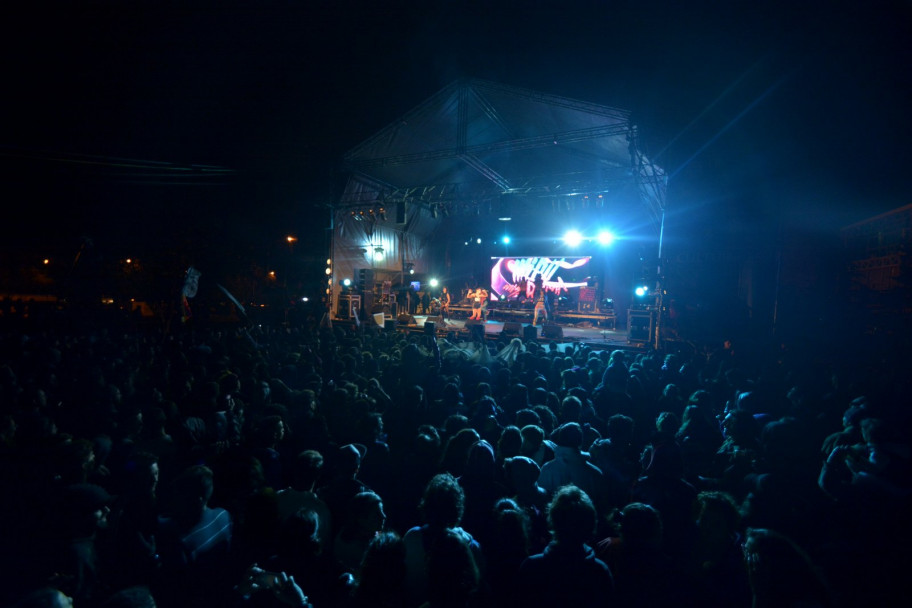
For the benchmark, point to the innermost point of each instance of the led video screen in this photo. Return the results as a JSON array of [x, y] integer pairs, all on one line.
[[513, 279]]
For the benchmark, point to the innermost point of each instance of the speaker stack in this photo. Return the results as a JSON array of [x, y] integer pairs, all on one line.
[[552, 331], [476, 329], [512, 329]]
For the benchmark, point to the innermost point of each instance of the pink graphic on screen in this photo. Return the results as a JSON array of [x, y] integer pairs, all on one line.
[[514, 278]]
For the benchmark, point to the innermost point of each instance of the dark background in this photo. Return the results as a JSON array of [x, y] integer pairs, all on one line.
[[768, 116]]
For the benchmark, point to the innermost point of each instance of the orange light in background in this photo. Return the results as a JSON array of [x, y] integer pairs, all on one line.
[[129, 260], [272, 274], [291, 239], [46, 261]]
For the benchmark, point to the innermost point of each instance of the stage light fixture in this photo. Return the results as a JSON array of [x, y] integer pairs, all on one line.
[[434, 282], [478, 240], [641, 291], [346, 282], [573, 238], [605, 238], [506, 240]]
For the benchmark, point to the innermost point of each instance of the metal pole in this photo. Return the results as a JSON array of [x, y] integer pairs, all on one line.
[[332, 257], [660, 286]]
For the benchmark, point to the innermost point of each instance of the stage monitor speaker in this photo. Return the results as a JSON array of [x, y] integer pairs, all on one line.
[[430, 328], [530, 332], [552, 331], [477, 331], [512, 328], [389, 325], [405, 319]]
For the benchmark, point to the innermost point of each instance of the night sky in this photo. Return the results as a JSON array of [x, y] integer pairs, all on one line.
[[762, 112]]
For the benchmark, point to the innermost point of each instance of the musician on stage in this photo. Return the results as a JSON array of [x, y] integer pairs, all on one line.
[[445, 303], [539, 299]]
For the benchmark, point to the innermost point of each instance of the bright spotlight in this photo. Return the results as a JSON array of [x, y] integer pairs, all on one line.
[[378, 255], [434, 282], [641, 291], [411, 271], [305, 299], [605, 238], [506, 240], [346, 282], [478, 240], [573, 238]]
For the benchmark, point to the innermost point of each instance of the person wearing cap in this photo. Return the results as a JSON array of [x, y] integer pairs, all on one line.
[[571, 465]]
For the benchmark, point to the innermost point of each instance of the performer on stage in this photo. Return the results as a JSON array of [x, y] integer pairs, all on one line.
[[476, 297], [445, 303], [539, 299]]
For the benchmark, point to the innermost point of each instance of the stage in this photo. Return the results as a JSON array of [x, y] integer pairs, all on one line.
[[585, 332]]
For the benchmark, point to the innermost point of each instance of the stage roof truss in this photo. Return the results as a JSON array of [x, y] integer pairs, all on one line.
[[474, 142]]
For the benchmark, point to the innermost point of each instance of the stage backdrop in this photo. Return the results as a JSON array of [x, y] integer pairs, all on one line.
[[514, 278]]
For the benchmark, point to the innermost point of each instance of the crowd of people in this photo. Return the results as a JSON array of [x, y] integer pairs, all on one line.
[[354, 466]]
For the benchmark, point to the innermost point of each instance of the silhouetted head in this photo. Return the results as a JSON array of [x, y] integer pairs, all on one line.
[[571, 516]]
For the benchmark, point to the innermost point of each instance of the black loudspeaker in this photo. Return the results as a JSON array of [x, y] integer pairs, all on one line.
[[430, 328], [477, 331], [530, 332], [512, 328], [552, 331], [406, 319], [639, 326], [389, 325]]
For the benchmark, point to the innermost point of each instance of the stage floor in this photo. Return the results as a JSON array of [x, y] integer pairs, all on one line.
[[587, 333]]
